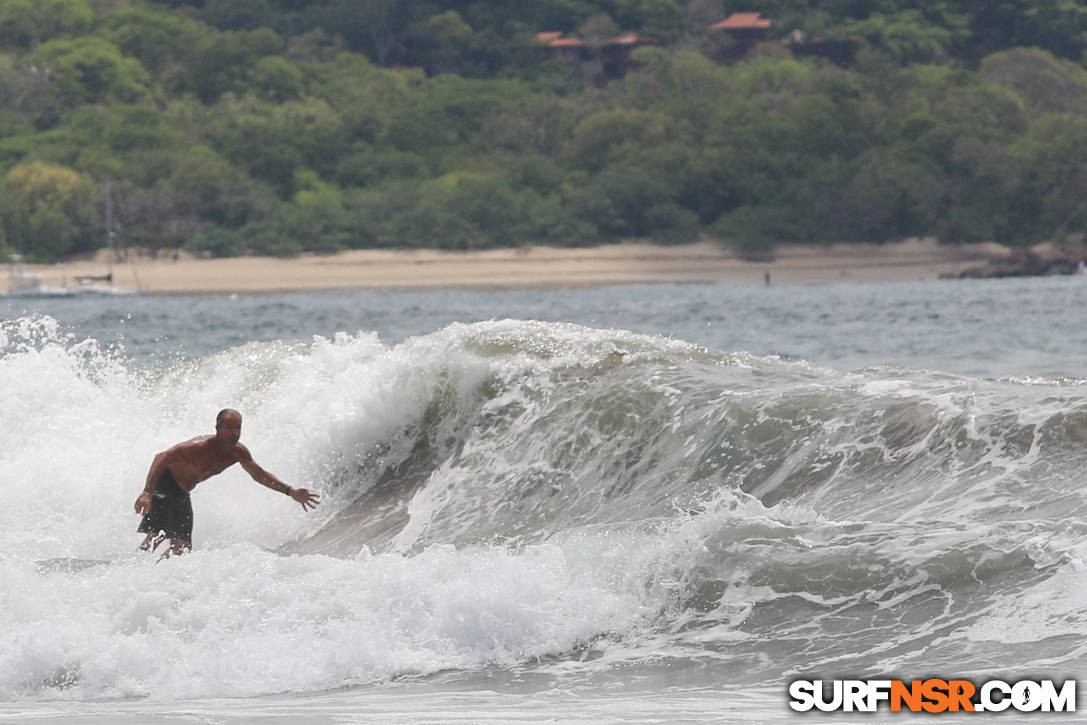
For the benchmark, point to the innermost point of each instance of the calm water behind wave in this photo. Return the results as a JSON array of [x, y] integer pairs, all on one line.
[[1028, 326]]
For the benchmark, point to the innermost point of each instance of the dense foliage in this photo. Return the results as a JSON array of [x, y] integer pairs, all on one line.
[[281, 126]]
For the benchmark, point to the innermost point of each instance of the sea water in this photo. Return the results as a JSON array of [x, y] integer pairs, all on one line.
[[633, 504]]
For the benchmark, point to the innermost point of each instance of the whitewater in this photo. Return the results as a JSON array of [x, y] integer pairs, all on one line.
[[649, 503]]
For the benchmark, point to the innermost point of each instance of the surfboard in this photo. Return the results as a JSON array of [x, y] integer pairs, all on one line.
[[68, 564]]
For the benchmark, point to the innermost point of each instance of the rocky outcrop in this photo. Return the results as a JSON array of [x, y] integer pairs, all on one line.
[[1037, 261]]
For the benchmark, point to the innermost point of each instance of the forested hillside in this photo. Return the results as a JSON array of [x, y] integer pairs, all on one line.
[[282, 126]]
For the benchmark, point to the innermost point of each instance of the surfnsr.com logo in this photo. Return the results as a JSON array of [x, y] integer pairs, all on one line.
[[932, 696]]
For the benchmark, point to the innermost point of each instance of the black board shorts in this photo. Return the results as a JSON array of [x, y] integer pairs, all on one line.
[[171, 510]]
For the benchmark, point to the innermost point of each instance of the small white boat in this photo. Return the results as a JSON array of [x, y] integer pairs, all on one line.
[[98, 286], [28, 284]]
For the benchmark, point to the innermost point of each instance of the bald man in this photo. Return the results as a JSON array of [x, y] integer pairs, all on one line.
[[165, 503]]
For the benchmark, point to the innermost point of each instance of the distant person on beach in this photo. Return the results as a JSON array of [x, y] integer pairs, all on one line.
[[165, 503]]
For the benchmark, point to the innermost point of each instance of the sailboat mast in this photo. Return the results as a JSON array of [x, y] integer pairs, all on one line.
[[110, 233]]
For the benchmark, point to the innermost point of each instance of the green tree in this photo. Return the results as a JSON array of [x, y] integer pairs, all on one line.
[[447, 114], [754, 231], [378, 27], [1050, 84], [685, 84], [243, 14], [365, 97], [533, 124], [495, 213], [619, 201], [120, 128], [1054, 151], [25, 93], [204, 191], [611, 135], [443, 39], [50, 210], [162, 41], [315, 220], [985, 194], [28, 23], [89, 69], [1058, 26], [365, 165], [659, 19], [276, 79], [274, 141], [908, 37], [221, 62], [890, 196]]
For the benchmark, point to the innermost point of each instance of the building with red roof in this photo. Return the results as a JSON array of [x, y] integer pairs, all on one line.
[[743, 22], [598, 61], [740, 33]]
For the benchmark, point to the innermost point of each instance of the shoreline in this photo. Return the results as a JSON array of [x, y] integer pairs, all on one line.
[[524, 268]]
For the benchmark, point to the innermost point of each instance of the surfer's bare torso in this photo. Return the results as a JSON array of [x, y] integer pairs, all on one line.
[[205, 456]]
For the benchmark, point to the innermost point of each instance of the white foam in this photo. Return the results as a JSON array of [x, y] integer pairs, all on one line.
[[239, 621]]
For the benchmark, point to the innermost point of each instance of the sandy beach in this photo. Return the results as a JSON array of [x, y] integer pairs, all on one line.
[[524, 268]]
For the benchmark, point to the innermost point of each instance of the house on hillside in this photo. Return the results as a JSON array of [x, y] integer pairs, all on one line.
[[603, 60], [740, 32], [599, 61], [747, 27]]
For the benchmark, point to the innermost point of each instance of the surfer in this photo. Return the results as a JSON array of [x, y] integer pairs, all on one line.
[[165, 503]]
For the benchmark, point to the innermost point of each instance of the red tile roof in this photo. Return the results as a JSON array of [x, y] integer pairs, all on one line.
[[555, 40], [626, 39], [742, 21]]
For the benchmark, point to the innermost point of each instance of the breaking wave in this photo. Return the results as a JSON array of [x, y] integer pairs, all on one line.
[[536, 496]]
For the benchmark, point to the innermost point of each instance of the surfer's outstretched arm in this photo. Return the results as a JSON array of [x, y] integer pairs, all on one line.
[[303, 496]]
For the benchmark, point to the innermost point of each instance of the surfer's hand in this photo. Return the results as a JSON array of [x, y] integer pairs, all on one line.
[[143, 503], [305, 498]]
